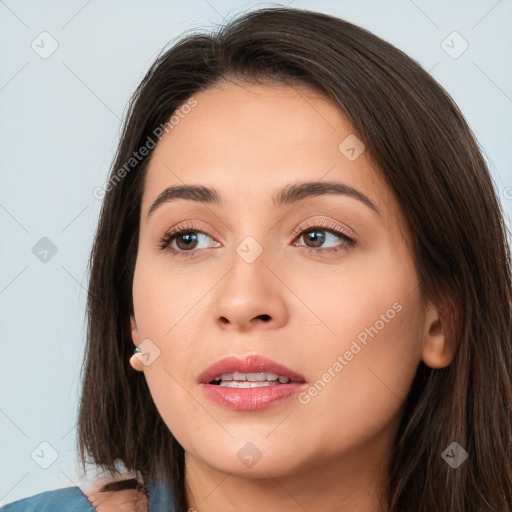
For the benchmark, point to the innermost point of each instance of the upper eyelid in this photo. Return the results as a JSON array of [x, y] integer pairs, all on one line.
[[326, 225]]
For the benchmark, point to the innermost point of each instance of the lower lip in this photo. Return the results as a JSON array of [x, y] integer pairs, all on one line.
[[251, 399]]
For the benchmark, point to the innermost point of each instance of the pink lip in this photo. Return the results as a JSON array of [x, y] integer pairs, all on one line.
[[247, 399], [248, 364]]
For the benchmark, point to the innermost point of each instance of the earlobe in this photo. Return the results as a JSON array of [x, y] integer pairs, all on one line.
[[438, 346], [135, 362]]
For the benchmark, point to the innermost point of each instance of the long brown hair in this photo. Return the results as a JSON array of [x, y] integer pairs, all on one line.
[[429, 158]]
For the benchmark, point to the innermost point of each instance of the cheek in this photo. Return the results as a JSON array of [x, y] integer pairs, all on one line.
[[363, 372], [365, 355], [163, 299], [166, 308]]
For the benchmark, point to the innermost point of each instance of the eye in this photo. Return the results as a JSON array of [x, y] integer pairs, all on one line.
[[184, 240], [320, 237], [316, 236]]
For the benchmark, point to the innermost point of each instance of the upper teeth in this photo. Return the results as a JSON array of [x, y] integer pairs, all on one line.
[[252, 377]]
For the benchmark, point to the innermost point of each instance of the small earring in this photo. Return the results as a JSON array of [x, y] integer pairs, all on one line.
[[135, 362]]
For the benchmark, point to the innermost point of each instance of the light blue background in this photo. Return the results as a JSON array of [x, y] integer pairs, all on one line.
[[60, 123]]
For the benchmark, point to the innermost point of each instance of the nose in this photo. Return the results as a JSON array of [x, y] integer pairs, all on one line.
[[251, 296]]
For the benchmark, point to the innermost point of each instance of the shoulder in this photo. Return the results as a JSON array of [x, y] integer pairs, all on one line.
[[73, 499], [70, 499]]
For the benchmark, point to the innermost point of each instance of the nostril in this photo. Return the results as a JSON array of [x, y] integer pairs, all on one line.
[[266, 318]]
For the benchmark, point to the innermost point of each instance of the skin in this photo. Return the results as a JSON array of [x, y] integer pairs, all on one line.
[[246, 141], [114, 501], [128, 500]]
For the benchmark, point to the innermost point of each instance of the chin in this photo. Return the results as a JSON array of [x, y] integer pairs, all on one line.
[[266, 467], [248, 456]]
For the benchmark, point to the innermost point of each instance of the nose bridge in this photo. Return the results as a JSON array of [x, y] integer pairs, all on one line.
[[248, 280], [250, 291]]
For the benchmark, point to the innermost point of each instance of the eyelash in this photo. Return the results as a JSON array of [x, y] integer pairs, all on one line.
[[347, 241]]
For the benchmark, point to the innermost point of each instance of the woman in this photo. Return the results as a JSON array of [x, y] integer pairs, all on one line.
[[301, 240]]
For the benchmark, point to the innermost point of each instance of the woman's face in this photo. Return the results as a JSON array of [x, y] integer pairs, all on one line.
[[268, 269]]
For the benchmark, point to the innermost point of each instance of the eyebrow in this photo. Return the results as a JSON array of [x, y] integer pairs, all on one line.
[[290, 194]]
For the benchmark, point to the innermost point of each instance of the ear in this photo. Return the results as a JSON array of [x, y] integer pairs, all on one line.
[[135, 330], [439, 344], [135, 362]]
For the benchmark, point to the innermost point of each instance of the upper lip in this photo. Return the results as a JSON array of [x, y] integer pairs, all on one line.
[[247, 364]]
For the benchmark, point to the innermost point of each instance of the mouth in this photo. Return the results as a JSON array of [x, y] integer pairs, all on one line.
[[250, 380], [248, 372], [250, 383]]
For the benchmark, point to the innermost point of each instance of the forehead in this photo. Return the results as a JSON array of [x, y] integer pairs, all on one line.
[[248, 140]]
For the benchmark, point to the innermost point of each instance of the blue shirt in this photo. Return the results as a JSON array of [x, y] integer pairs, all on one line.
[[71, 499]]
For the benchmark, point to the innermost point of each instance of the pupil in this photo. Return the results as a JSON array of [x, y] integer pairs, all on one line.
[[188, 239], [316, 236]]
